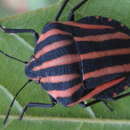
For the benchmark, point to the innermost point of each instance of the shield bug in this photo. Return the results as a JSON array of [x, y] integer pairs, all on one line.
[[79, 60]]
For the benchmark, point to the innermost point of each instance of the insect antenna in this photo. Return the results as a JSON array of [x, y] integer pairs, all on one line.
[[14, 58], [61, 10], [9, 110]]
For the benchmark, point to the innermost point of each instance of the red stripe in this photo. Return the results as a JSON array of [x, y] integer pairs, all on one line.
[[98, 90], [59, 78], [67, 59], [103, 37], [99, 54], [53, 46], [87, 26], [107, 71], [84, 26], [65, 93], [50, 33]]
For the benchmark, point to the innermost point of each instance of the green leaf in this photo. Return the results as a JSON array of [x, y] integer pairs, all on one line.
[[52, 123], [6, 97], [32, 4], [12, 75]]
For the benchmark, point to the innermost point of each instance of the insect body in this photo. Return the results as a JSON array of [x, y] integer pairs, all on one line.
[[78, 60], [75, 61]]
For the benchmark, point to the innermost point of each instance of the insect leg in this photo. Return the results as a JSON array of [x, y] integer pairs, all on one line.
[[9, 30], [14, 58], [42, 105], [61, 10], [82, 104], [11, 105], [115, 98], [108, 105], [121, 96], [71, 14]]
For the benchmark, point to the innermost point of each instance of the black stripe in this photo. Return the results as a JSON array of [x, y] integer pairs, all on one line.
[[53, 71], [82, 92], [51, 40], [76, 31], [86, 47], [100, 21], [92, 83], [108, 94], [57, 53], [61, 85], [75, 97], [60, 70], [104, 21], [99, 63]]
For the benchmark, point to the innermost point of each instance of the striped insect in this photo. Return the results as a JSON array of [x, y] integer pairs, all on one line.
[[75, 61]]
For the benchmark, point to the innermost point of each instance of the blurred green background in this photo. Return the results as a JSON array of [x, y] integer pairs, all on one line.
[[12, 7]]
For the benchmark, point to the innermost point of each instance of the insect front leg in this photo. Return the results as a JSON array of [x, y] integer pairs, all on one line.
[[71, 16], [35, 104], [9, 30]]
